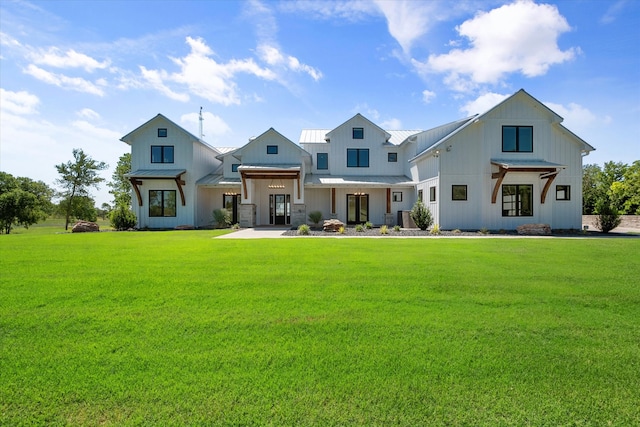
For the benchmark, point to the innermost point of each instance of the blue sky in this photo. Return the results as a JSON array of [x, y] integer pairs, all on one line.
[[81, 74]]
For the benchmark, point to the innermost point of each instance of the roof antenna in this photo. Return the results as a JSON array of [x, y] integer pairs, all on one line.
[[201, 120]]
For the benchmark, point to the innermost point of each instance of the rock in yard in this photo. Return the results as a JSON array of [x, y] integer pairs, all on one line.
[[534, 229], [332, 225], [85, 227]]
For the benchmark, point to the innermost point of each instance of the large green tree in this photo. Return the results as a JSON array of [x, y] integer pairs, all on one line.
[[626, 192], [76, 178], [23, 202], [120, 185]]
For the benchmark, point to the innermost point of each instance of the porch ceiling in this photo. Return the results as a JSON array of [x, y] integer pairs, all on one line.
[[328, 181]]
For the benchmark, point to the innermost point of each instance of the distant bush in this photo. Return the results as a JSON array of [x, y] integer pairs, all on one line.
[[421, 215], [368, 225], [222, 218], [435, 229], [315, 217], [384, 230], [607, 216], [341, 230], [396, 228], [122, 218], [359, 228], [303, 230]]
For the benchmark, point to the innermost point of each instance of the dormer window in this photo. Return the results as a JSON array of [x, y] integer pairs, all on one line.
[[234, 167], [517, 139], [162, 132], [272, 149], [358, 133]]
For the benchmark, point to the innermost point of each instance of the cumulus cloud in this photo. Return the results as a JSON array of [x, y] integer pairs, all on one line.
[[428, 96], [88, 114], [71, 83], [204, 76], [408, 20], [347, 10], [516, 38], [18, 102], [483, 103], [391, 124], [54, 57]]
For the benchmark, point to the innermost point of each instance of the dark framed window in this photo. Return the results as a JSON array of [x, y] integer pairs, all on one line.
[[357, 157], [517, 200], [162, 154], [420, 195], [518, 139], [357, 133], [234, 167], [322, 161], [563, 192], [397, 196], [162, 203], [458, 192], [272, 149], [432, 194], [162, 132], [392, 157]]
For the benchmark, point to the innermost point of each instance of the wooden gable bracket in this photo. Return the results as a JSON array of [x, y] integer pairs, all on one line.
[[500, 177], [135, 183], [549, 176], [180, 183]]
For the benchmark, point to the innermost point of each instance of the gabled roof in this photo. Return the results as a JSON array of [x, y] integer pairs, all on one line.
[[238, 153], [557, 119], [360, 116], [127, 137]]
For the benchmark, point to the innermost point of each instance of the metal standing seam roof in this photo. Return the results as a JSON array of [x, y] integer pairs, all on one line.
[[217, 180], [525, 164], [361, 181], [156, 173]]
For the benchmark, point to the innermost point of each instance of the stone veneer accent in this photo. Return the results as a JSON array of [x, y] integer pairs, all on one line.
[[247, 215], [298, 215]]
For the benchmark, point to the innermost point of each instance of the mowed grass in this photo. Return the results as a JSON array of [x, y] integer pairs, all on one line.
[[178, 328]]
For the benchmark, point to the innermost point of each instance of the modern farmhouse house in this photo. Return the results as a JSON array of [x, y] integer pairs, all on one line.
[[512, 165]]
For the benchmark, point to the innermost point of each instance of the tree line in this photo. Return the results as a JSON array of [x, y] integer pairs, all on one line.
[[24, 202], [607, 192]]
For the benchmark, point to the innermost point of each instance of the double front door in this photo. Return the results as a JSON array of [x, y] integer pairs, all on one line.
[[357, 208], [279, 209]]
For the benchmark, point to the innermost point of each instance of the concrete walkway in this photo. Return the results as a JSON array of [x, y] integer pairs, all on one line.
[[256, 233]]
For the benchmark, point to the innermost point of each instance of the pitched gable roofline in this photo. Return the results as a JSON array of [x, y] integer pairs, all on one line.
[[358, 115], [128, 137], [238, 153]]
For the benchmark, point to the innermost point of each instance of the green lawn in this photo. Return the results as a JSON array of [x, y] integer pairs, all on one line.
[[178, 328]]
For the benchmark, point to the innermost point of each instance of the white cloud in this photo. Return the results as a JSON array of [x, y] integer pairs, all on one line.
[[69, 59], [88, 113], [365, 110], [408, 20], [72, 83], [428, 96], [575, 116], [212, 125], [92, 132], [274, 57], [347, 10], [520, 37], [391, 124], [18, 102], [204, 76], [483, 103]]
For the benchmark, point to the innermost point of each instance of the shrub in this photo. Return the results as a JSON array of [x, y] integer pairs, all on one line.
[[396, 228], [484, 230], [359, 228], [303, 230], [435, 229], [607, 216], [368, 225], [341, 229], [457, 231], [122, 218], [421, 215], [236, 226], [222, 218], [315, 217], [384, 230]]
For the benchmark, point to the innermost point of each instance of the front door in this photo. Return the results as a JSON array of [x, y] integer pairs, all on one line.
[[230, 203], [357, 208], [279, 209]]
